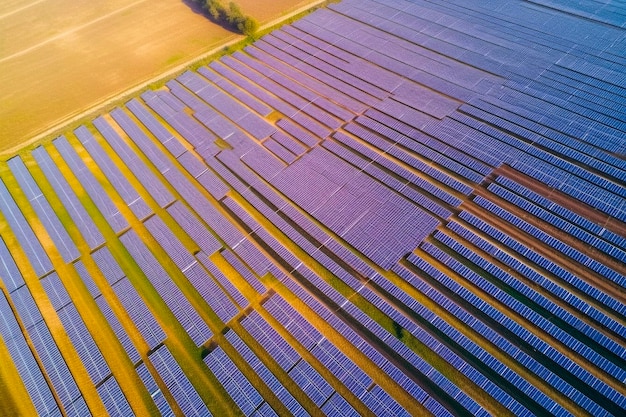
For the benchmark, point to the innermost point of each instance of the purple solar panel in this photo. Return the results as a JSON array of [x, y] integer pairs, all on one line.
[[249, 121], [215, 186], [280, 151], [215, 297], [9, 274], [239, 93], [114, 175], [154, 126], [279, 45], [45, 213], [262, 162], [192, 164], [24, 233], [178, 383], [244, 271], [150, 182], [194, 228], [89, 182], [204, 208], [313, 84], [25, 362], [185, 125], [377, 222], [237, 74], [171, 294], [303, 136], [139, 136], [169, 242]]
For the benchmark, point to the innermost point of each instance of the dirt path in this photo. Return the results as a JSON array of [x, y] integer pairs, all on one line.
[[58, 127]]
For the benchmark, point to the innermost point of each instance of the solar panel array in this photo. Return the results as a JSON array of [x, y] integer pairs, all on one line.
[[388, 207]]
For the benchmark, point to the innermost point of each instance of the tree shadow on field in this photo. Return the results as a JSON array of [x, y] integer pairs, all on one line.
[[197, 9]]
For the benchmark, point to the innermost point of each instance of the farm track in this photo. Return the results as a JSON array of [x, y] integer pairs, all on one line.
[[56, 127], [340, 213]]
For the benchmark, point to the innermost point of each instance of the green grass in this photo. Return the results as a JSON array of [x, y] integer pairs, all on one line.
[[14, 398], [92, 113], [174, 59], [44, 305], [336, 283], [484, 400]]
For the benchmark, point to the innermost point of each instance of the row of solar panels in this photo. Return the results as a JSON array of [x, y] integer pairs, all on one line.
[[439, 167]]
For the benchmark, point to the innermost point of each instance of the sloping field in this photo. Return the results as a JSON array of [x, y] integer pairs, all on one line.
[[59, 57], [386, 208]]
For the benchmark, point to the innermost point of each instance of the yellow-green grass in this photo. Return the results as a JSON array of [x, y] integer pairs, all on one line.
[[319, 269], [584, 362], [307, 356], [44, 305], [486, 344], [61, 57], [336, 283], [441, 365], [178, 341], [14, 398]]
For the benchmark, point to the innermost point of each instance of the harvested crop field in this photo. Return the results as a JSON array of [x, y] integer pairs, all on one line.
[[60, 57], [386, 207]]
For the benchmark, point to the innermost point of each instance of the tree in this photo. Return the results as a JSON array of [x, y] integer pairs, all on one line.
[[248, 26], [234, 15], [215, 9], [231, 16]]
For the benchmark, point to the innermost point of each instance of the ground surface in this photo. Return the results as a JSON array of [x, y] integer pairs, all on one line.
[[384, 208], [58, 57]]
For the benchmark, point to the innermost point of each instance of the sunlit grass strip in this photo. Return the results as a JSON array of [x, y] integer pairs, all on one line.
[[487, 345], [14, 398]]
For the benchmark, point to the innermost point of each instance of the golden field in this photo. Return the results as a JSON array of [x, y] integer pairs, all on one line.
[[61, 57]]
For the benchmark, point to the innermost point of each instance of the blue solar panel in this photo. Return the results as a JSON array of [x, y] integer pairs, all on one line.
[[178, 383], [25, 362], [139, 313], [113, 398], [155, 392], [91, 185], [238, 386], [441, 183], [113, 174], [191, 224], [148, 179], [24, 233], [9, 273], [171, 294]]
